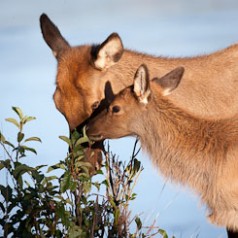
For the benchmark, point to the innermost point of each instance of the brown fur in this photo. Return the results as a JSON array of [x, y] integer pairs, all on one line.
[[188, 149], [209, 88]]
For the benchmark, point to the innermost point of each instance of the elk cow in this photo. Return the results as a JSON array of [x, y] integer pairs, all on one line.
[[202, 153]]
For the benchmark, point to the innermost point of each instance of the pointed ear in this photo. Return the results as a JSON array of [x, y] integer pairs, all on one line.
[[108, 53], [170, 81], [52, 36], [142, 85], [108, 91]]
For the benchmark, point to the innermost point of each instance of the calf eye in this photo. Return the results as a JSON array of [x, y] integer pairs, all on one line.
[[116, 109]]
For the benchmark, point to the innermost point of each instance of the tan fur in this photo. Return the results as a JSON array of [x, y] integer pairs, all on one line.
[[205, 143], [188, 149], [209, 88]]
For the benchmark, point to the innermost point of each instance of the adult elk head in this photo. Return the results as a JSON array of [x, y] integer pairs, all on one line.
[[79, 85], [80, 81]]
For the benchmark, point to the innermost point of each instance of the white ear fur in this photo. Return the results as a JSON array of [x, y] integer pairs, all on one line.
[[141, 85], [109, 53]]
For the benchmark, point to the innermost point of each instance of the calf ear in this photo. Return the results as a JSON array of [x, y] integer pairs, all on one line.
[[108, 53], [52, 36], [170, 81], [142, 85]]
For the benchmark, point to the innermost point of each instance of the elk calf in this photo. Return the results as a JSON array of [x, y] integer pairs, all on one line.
[[186, 148]]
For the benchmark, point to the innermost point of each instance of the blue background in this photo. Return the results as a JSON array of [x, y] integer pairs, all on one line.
[[169, 28]]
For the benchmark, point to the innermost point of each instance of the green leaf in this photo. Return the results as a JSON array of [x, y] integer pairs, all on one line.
[[66, 139], [5, 164], [62, 213], [105, 182], [136, 167], [6, 192], [37, 176], [133, 196], [40, 166], [49, 178], [163, 233], [9, 143], [21, 169], [57, 166], [33, 139], [29, 149], [73, 186], [65, 182], [75, 135], [13, 121], [27, 119], [18, 111], [1, 165], [2, 138], [99, 171], [78, 151], [82, 164], [20, 136], [81, 140], [138, 223]]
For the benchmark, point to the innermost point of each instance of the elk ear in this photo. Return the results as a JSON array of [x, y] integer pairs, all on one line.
[[52, 36], [142, 85], [170, 81], [108, 53]]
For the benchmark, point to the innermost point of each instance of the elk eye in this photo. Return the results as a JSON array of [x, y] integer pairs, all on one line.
[[95, 105], [116, 109]]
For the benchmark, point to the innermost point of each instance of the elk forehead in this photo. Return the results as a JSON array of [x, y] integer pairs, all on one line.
[[125, 98]]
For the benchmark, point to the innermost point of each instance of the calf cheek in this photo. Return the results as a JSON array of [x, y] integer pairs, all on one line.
[[114, 127]]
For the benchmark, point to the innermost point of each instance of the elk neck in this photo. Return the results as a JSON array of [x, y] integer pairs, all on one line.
[[187, 149]]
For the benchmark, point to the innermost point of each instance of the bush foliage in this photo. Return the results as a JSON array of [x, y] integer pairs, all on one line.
[[74, 204]]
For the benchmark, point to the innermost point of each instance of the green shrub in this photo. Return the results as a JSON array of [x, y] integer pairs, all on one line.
[[75, 204]]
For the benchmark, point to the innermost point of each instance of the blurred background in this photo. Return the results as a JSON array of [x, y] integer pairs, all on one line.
[[174, 28]]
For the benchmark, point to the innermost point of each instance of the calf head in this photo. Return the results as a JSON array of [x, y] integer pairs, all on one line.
[[79, 85], [127, 113]]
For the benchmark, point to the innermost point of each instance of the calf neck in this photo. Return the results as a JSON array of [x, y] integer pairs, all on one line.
[[188, 149]]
